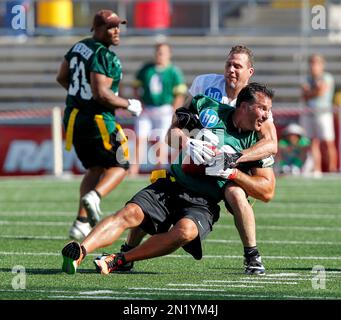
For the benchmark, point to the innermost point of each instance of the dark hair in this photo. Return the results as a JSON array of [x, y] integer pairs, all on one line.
[[243, 49], [248, 93]]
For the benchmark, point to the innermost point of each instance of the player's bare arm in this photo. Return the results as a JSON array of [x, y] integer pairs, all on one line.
[[63, 75], [260, 185], [265, 147], [101, 90]]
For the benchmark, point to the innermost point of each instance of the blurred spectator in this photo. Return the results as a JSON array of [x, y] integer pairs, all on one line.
[[318, 94], [161, 87], [293, 149]]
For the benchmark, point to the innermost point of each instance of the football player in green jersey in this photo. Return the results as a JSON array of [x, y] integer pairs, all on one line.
[[91, 73], [179, 210], [225, 87], [161, 87]]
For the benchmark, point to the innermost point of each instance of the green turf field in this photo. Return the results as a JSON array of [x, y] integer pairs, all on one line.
[[299, 231]]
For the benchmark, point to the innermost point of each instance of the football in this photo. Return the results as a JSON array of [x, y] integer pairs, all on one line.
[[189, 167]]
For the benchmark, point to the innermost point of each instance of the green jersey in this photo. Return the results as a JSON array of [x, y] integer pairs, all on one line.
[[293, 154], [159, 85], [218, 118], [85, 57]]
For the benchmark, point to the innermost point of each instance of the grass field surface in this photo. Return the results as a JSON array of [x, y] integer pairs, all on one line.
[[299, 236]]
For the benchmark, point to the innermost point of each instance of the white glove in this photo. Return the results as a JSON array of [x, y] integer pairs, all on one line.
[[134, 107], [201, 152], [208, 136], [217, 169]]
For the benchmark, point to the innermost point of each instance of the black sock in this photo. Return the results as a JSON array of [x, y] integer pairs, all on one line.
[[99, 196], [126, 247], [251, 251], [83, 219]]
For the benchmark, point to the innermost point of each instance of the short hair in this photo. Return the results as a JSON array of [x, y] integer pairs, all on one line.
[[248, 93], [161, 44], [245, 50], [316, 56]]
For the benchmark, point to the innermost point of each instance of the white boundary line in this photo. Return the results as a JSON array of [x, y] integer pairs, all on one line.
[[42, 237]]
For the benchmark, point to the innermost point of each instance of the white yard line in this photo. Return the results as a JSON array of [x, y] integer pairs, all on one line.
[[286, 228], [303, 204], [271, 277], [289, 227], [62, 294], [227, 283], [261, 279], [97, 297], [22, 237], [36, 213], [265, 257], [176, 289], [34, 223], [273, 215], [249, 296], [293, 242]]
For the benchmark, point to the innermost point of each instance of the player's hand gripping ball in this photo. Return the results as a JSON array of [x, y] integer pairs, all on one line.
[[200, 152]]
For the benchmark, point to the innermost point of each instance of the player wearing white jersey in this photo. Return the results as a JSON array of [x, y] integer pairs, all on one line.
[[213, 86]]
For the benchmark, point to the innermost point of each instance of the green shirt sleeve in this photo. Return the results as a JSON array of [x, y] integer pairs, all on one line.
[[102, 63]]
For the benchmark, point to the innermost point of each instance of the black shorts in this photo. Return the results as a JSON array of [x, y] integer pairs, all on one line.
[[166, 202], [92, 153]]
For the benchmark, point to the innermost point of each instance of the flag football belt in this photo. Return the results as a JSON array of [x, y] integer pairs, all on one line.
[[161, 174], [103, 131], [69, 129]]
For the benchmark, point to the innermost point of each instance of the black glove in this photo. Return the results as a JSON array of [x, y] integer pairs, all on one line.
[[187, 119], [230, 159]]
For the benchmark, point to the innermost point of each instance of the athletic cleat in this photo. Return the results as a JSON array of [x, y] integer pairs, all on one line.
[[108, 263], [129, 265], [72, 257], [79, 230], [91, 203], [253, 265]]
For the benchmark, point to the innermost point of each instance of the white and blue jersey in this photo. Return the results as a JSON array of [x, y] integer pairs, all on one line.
[[213, 86]]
